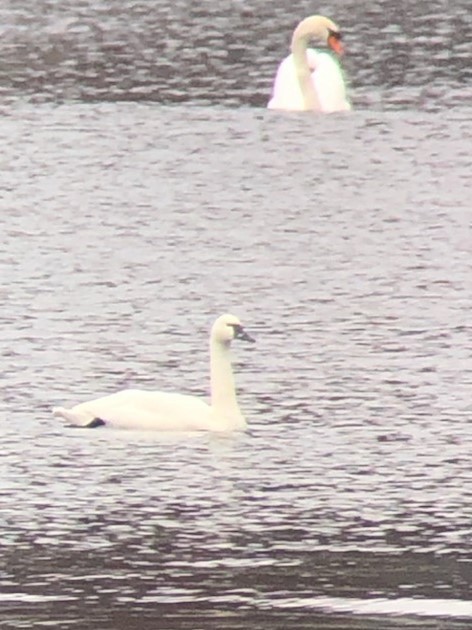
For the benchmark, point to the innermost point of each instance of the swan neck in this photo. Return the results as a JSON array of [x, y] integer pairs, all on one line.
[[313, 27], [300, 40], [223, 394]]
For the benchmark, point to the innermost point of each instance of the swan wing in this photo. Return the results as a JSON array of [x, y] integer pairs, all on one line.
[[143, 410], [329, 84], [286, 92]]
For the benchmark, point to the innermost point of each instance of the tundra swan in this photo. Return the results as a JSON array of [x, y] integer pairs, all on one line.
[[160, 411]]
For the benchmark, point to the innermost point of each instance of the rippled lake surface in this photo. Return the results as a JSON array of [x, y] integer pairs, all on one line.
[[145, 189]]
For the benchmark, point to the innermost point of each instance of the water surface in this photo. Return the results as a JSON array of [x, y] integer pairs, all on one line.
[[130, 220]]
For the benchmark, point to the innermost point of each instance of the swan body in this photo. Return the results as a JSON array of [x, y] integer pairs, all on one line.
[[308, 79], [162, 411]]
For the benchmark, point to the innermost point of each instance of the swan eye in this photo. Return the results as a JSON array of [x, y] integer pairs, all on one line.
[[335, 34], [240, 333]]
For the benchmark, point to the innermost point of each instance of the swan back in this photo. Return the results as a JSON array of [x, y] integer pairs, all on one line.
[[326, 76]]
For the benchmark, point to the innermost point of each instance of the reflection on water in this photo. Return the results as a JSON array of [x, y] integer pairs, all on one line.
[[343, 242], [295, 523], [375, 606]]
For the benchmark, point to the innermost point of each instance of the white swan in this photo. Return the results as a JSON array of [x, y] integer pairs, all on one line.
[[309, 79], [159, 411]]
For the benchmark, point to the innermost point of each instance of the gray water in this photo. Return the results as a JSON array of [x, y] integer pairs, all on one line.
[[144, 191]]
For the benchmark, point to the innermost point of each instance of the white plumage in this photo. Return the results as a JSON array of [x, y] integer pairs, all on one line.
[[160, 411], [308, 79]]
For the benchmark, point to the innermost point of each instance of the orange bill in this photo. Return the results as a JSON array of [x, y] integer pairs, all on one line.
[[335, 43]]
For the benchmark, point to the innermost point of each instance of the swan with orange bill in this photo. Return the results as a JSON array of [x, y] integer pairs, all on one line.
[[309, 79]]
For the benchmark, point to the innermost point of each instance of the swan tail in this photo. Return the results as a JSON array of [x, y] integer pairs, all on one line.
[[78, 419]]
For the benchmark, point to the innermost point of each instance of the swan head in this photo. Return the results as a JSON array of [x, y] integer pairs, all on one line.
[[321, 28], [228, 327]]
